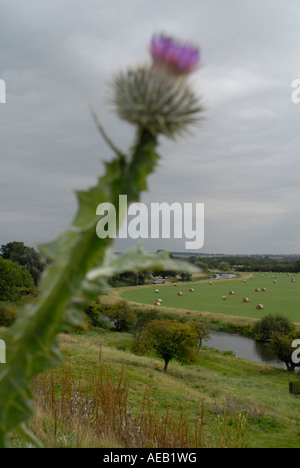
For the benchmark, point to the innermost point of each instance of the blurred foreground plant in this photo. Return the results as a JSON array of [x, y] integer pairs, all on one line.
[[157, 100]]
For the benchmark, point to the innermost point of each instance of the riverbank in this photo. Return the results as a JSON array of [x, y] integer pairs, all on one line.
[[243, 347], [229, 332]]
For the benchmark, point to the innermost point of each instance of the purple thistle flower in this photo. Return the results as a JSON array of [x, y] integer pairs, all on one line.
[[183, 58]]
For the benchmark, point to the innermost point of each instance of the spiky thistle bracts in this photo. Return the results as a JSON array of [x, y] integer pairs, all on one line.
[[156, 100]]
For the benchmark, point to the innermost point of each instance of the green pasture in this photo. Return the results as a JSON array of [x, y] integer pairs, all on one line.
[[282, 297]]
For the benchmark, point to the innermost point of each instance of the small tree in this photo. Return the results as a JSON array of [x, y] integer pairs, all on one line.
[[203, 331], [270, 324], [186, 276], [122, 316], [281, 345], [170, 340], [144, 317], [94, 311], [224, 266]]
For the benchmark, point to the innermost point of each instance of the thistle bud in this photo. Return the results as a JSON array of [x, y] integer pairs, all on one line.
[[155, 97]]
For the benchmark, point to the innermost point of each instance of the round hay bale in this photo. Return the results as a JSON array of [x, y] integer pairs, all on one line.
[[210, 283], [293, 280], [231, 293], [244, 281], [264, 289], [179, 294], [159, 300], [224, 298], [175, 284], [157, 303], [259, 307], [156, 291], [257, 290], [246, 299], [192, 290], [274, 281]]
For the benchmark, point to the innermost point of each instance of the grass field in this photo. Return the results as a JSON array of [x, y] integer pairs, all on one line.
[[282, 297], [218, 380]]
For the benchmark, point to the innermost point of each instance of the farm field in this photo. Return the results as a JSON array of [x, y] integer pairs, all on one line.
[[282, 297]]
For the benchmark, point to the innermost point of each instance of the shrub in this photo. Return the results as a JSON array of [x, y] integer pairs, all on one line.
[[8, 314], [94, 311], [272, 323], [12, 278], [122, 316]]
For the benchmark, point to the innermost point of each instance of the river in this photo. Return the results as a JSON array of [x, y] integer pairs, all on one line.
[[218, 276], [243, 347]]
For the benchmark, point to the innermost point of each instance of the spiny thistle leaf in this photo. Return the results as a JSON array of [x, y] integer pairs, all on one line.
[[67, 286], [135, 260]]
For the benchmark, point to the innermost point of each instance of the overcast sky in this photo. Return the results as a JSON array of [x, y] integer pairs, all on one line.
[[243, 162]]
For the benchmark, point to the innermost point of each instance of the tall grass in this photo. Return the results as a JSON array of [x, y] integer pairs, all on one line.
[[91, 409]]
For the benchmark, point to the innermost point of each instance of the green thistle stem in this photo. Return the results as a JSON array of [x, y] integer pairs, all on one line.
[[31, 342]]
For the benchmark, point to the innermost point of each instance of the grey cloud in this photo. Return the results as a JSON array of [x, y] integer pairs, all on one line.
[[242, 162]]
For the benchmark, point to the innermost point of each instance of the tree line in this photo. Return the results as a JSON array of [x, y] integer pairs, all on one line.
[[247, 264], [180, 338]]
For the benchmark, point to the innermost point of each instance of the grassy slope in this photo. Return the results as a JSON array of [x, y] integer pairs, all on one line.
[[282, 297], [260, 391]]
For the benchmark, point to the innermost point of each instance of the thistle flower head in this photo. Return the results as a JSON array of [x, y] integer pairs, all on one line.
[[157, 97], [182, 58]]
